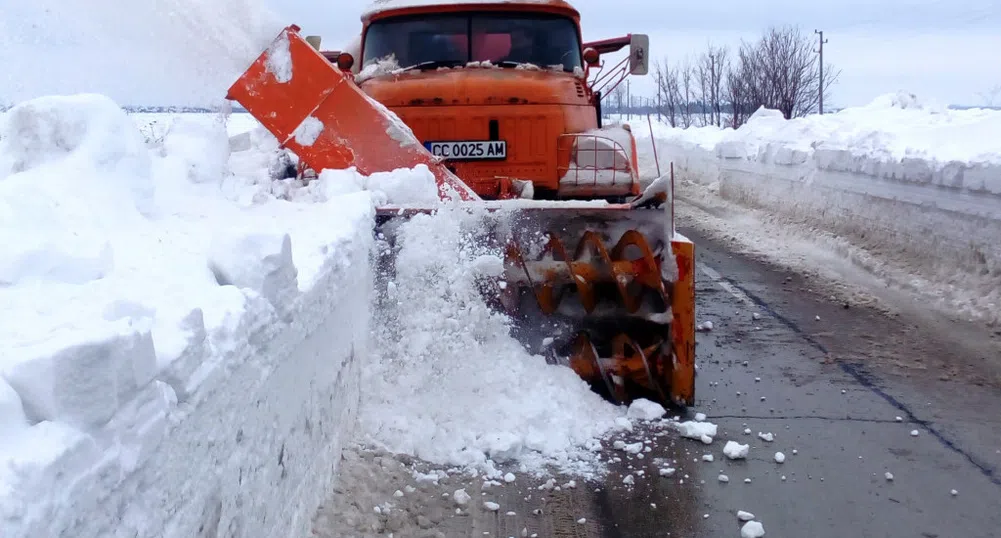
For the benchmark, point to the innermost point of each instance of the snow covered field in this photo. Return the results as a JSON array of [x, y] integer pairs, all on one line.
[[908, 192]]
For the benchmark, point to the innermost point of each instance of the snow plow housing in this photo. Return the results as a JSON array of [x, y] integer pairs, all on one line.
[[596, 277]]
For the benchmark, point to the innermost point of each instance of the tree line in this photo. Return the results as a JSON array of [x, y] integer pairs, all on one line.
[[723, 87]]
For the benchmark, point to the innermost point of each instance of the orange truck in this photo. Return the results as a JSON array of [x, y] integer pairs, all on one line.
[[501, 100]]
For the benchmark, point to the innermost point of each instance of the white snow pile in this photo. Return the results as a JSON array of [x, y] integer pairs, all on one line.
[[451, 386], [898, 189], [133, 278]]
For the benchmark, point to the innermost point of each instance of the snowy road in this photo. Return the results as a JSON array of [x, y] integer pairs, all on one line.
[[830, 390]]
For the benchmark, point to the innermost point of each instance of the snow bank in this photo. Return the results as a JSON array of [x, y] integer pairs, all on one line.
[[182, 335], [916, 186]]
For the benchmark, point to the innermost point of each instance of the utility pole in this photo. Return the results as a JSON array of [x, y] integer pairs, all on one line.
[[629, 103], [660, 84], [821, 52]]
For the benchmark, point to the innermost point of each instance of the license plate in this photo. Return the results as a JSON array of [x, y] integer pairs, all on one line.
[[468, 150]]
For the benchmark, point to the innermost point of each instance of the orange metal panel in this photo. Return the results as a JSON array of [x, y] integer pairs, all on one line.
[[317, 91], [683, 326]]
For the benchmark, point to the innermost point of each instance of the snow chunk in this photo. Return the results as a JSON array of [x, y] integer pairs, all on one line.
[[707, 457], [767, 437], [735, 450], [888, 476], [702, 431], [12, 417], [279, 59], [752, 529], [643, 409], [780, 457], [308, 131], [744, 516], [256, 261], [461, 498], [705, 326], [492, 506], [723, 478]]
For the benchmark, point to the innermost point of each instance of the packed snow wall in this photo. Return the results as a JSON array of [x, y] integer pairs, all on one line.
[[910, 184], [182, 335]]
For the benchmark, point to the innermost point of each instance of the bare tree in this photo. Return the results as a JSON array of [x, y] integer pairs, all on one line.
[[991, 96], [782, 72], [667, 84], [687, 93], [710, 71]]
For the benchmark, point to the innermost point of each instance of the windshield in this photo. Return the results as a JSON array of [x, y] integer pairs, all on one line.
[[547, 41]]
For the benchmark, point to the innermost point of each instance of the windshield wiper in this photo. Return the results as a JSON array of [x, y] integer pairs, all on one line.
[[433, 64]]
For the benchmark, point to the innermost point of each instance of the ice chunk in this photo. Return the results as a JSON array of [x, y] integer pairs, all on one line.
[[767, 437], [744, 516], [752, 529], [705, 326], [703, 431], [723, 478], [780, 457], [492, 506], [888, 475], [700, 417], [735, 450], [643, 409]]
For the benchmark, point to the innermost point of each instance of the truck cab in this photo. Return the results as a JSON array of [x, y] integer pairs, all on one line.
[[499, 91]]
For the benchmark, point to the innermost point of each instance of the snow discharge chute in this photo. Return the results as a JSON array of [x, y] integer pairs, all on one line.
[[604, 287]]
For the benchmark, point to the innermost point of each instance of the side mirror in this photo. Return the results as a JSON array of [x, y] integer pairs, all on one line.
[[639, 59], [591, 56], [345, 61]]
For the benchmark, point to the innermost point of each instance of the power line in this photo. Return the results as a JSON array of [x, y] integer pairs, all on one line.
[[821, 52]]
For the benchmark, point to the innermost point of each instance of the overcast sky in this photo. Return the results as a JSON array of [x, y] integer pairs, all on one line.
[[189, 51], [942, 50]]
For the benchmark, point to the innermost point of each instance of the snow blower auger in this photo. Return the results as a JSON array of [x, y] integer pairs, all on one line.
[[595, 277]]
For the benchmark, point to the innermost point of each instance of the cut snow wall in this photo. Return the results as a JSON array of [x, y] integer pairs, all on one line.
[[941, 220], [250, 450]]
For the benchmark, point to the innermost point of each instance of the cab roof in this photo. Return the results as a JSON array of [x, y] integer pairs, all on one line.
[[385, 8]]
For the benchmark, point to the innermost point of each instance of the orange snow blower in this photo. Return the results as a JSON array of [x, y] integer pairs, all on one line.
[[494, 98]]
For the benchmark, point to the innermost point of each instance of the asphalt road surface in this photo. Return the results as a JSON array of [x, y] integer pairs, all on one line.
[[842, 388]]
